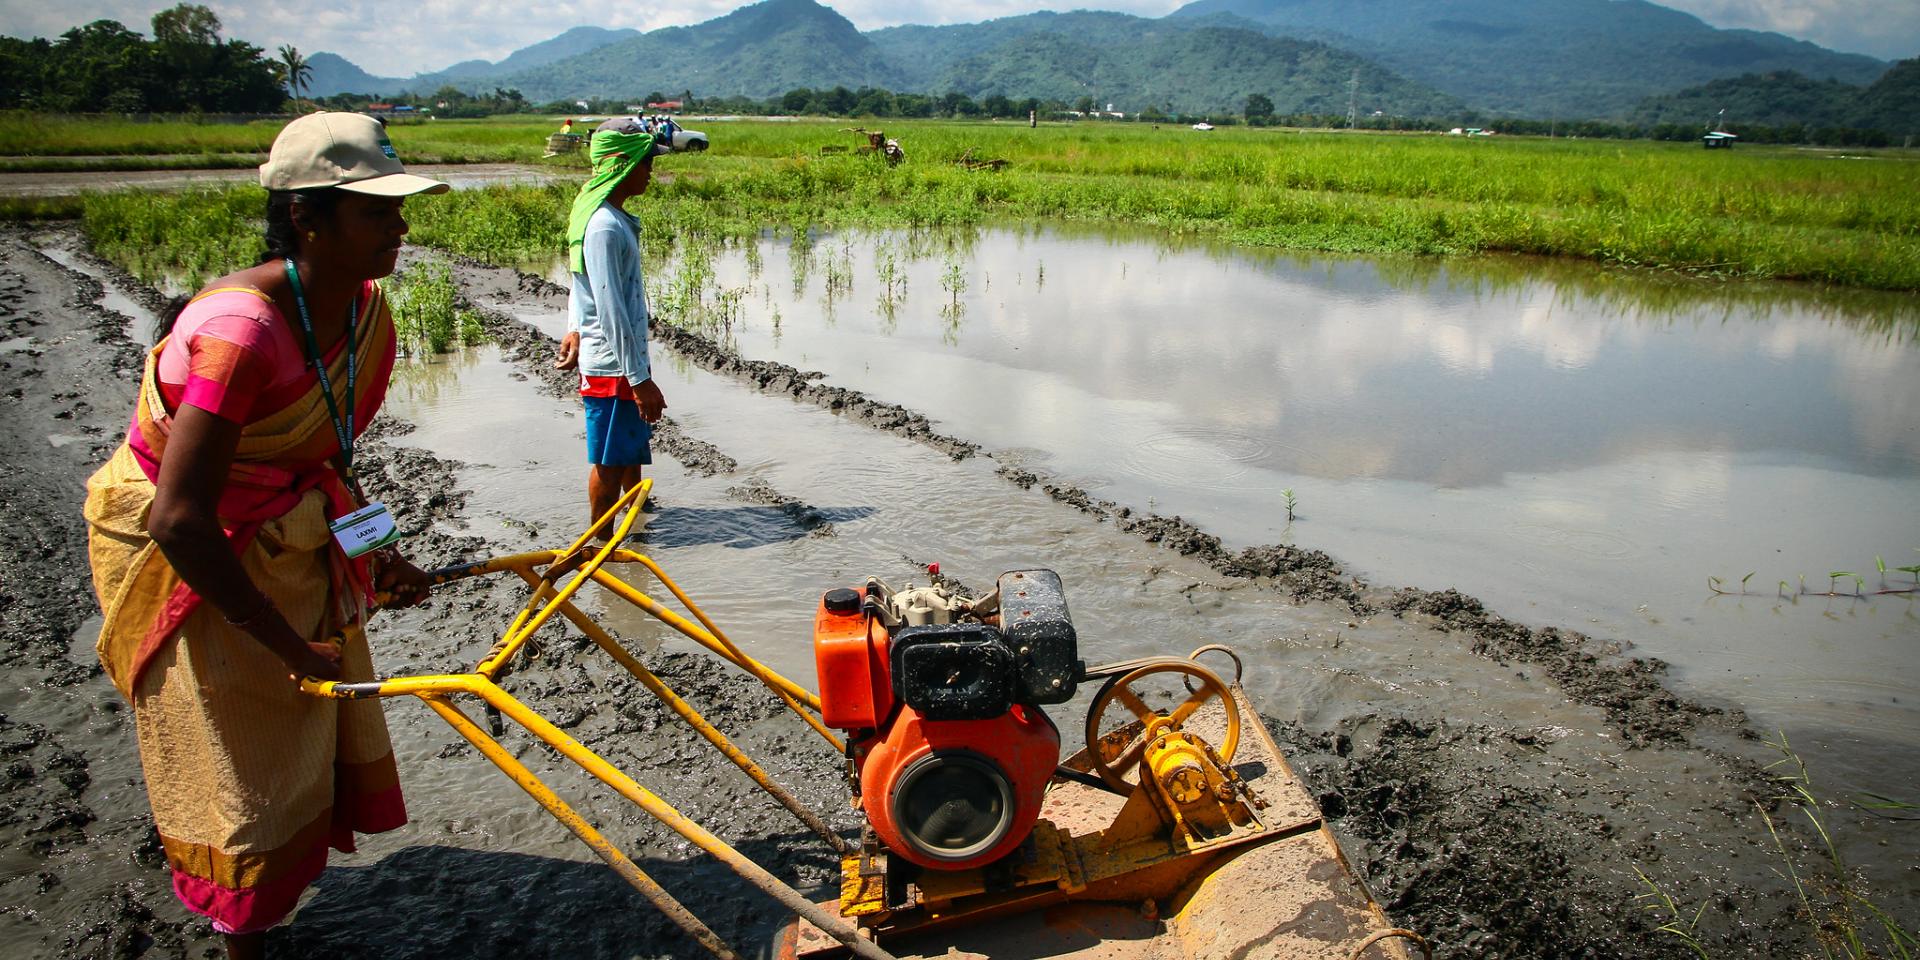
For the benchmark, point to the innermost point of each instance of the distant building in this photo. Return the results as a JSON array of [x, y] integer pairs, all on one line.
[[1719, 140], [666, 105]]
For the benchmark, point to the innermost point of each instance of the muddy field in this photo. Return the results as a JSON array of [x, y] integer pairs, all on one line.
[[1508, 832]]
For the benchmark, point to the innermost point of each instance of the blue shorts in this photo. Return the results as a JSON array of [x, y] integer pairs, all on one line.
[[616, 436]]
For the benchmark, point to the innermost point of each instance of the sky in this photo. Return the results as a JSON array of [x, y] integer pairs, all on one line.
[[418, 36]]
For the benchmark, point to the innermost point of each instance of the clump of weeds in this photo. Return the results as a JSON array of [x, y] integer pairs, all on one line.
[[1842, 920]]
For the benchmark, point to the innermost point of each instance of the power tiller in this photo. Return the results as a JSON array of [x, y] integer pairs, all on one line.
[[1178, 831]]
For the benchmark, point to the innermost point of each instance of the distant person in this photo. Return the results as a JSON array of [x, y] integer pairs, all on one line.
[[566, 126], [607, 312], [223, 554]]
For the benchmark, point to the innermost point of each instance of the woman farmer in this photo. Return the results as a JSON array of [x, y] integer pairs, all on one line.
[[215, 553]]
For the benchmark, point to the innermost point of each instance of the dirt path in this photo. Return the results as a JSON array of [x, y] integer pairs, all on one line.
[[1491, 837]]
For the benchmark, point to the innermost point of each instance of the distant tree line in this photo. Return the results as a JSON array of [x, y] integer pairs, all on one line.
[[1258, 110], [449, 101], [836, 102], [103, 67]]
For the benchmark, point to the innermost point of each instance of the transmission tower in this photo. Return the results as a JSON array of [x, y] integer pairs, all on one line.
[[1353, 101]]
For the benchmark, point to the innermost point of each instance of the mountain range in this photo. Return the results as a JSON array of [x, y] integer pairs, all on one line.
[[1571, 58], [1890, 104], [1539, 58]]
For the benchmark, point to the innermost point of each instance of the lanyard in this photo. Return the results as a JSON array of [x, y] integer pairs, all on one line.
[[342, 427]]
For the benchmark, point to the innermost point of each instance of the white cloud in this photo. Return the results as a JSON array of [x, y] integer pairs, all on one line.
[[1889, 29], [393, 39]]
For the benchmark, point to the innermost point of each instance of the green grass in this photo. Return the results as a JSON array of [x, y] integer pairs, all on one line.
[[48, 142], [176, 241], [1837, 908], [1752, 213]]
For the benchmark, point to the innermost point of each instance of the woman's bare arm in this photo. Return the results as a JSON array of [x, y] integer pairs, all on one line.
[[184, 522]]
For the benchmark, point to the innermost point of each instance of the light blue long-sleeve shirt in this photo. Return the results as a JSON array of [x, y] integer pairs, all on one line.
[[608, 304]]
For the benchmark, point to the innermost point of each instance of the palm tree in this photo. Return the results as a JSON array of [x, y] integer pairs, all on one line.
[[295, 70]]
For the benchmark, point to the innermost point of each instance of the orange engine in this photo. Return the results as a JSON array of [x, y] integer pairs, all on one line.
[[951, 751]]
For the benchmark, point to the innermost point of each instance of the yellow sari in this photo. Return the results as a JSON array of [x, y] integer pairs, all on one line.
[[250, 780]]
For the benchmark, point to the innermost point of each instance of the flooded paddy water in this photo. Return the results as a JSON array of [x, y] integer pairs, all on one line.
[[1577, 447], [1566, 445]]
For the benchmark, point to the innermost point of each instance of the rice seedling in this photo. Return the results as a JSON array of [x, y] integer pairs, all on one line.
[[886, 268], [685, 296], [726, 307], [1783, 589], [953, 279], [755, 262], [838, 279], [426, 317], [800, 260]]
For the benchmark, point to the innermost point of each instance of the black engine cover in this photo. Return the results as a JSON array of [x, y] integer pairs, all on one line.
[[959, 671], [1039, 634]]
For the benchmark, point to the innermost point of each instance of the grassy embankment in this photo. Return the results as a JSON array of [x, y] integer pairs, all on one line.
[[44, 142], [1761, 213]]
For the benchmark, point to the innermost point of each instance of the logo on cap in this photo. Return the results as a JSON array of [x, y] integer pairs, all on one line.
[[386, 147]]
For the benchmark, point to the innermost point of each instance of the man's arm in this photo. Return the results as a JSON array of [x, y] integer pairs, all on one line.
[[568, 356]]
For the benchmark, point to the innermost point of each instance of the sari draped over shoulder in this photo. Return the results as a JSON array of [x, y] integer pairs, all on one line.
[[250, 780]]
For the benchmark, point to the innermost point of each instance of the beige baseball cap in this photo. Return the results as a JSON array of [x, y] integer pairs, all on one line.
[[346, 150]]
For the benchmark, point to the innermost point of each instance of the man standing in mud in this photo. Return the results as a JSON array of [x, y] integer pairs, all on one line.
[[607, 312]]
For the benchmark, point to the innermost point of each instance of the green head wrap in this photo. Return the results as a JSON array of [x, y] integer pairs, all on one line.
[[614, 155]]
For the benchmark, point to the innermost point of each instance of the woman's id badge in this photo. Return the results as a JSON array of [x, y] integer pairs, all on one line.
[[368, 528]]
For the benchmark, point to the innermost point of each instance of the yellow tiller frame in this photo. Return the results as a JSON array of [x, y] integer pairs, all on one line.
[[540, 569]]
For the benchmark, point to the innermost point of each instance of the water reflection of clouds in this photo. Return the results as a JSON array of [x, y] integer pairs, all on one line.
[[1698, 483], [1569, 443], [1455, 374]]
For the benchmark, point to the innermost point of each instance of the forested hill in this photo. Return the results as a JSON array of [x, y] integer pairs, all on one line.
[[757, 51], [1135, 63], [574, 42], [1890, 104], [1541, 58], [333, 74]]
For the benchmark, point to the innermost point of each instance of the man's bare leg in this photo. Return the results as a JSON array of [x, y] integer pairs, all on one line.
[[605, 484]]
